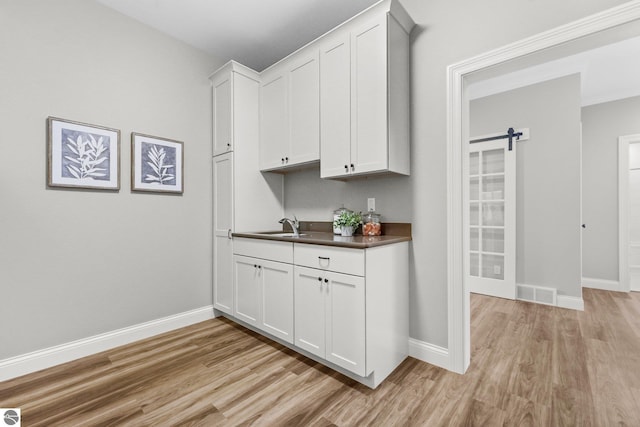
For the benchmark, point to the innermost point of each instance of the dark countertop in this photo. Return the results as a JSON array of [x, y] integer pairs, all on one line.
[[329, 239]]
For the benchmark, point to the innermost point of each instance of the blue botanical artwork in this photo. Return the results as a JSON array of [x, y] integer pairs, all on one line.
[[85, 155], [159, 164]]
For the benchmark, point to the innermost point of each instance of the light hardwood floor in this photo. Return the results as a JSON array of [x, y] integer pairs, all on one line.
[[531, 365]]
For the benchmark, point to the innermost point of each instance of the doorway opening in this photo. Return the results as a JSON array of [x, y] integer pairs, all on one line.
[[612, 25]]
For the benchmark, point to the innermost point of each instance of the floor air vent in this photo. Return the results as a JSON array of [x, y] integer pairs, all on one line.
[[537, 294]]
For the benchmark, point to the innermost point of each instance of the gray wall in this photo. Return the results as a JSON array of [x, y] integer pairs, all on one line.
[[602, 124], [447, 32], [547, 177], [78, 263]]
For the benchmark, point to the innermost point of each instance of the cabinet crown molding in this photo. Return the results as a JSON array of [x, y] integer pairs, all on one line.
[[391, 7], [236, 67]]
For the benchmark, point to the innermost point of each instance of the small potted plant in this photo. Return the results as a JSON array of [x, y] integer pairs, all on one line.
[[348, 222]]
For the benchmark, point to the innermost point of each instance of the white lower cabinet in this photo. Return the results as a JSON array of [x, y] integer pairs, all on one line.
[[247, 289], [277, 299], [347, 308], [309, 305], [264, 295], [330, 317]]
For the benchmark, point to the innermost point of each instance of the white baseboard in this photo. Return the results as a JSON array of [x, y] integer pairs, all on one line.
[[605, 285], [430, 353], [41, 359], [573, 303]]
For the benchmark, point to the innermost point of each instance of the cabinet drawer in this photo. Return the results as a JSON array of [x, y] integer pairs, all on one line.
[[341, 260], [265, 249]]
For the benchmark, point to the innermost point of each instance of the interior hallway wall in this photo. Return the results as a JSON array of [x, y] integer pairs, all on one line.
[[547, 177], [74, 264], [602, 124]]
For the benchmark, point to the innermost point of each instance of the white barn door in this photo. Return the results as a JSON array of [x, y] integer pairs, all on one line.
[[490, 219]]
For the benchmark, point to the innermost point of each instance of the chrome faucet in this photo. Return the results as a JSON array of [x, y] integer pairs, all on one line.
[[294, 225]]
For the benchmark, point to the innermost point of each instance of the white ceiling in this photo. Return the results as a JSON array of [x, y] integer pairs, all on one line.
[[608, 73], [256, 33]]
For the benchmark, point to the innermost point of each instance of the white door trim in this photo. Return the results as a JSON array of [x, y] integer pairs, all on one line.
[[623, 206], [457, 131]]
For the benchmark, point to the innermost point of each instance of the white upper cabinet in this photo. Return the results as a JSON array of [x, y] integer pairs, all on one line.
[[364, 109], [343, 99], [222, 114], [274, 141], [304, 108], [369, 139], [335, 101], [290, 113]]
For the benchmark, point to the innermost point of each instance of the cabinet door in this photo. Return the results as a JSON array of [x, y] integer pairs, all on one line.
[[345, 322], [274, 135], [222, 114], [335, 107], [222, 227], [369, 136], [246, 276], [304, 109], [277, 299], [309, 310]]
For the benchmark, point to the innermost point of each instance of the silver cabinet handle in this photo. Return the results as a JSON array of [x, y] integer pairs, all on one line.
[[326, 258], [229, 234]]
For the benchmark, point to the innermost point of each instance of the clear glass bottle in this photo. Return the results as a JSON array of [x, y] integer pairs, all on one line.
[[372, 225], [336, 214]]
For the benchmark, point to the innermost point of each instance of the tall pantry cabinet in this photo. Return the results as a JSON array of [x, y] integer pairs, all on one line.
[[243, 197]]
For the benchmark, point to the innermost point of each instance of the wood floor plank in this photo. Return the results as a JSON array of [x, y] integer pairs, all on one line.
[[610, 403], [532, 362], [532, 365], [521, 412]]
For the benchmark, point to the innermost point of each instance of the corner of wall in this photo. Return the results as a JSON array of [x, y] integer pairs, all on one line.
[[430, 353]]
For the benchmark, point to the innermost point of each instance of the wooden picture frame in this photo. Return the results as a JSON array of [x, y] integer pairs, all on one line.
[[157, 164], [83, 156]]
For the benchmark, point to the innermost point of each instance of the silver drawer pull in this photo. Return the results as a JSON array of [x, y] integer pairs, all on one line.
[[326, 258]]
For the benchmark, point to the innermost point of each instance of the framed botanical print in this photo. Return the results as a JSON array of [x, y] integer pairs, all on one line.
[[82, 155], [156, 164]]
